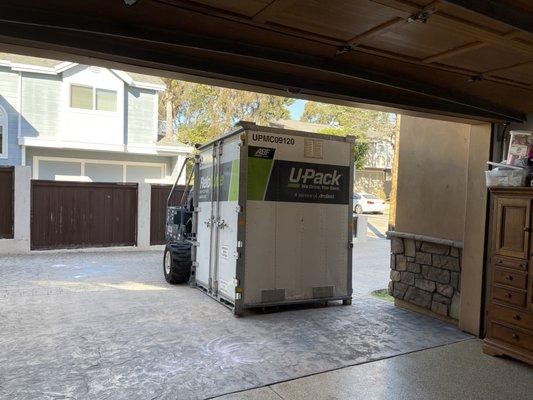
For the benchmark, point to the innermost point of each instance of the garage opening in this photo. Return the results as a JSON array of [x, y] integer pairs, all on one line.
[[457, 72], [75, 210]]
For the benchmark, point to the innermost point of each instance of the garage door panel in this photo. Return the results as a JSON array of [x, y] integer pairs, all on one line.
[[79, 214]]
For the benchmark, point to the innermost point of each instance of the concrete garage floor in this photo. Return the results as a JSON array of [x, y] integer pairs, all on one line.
[[450, 372], [107, 326]]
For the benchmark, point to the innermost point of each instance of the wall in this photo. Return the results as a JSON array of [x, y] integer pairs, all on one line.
[[426, 275], [431, 187], [440, 219], [41, 99], [141, 115], [9, 101], [474, 229], [105, 127]]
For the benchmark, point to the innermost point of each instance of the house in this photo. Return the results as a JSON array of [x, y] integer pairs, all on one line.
[[75, 122]]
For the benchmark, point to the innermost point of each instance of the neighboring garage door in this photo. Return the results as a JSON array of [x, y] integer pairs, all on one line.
[[7, 180], [158, 206], [79, 214]]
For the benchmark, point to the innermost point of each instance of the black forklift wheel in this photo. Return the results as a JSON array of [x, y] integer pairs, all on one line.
[[177, 263]]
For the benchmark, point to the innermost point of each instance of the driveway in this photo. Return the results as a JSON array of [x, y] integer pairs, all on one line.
[[107, 326]]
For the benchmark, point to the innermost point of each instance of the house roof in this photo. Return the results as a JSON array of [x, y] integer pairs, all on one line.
[[37, 61], [171, 141], [50, 66], [298, 125]]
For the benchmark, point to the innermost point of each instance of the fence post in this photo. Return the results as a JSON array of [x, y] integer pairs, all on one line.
[[361, 227], [22, 204], [22, 212], [143, 215]]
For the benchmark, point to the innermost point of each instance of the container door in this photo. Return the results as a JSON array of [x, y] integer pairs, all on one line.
[[205, 218], [226, 212]]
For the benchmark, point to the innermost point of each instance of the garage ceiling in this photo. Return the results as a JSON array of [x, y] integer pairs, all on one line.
[[460, 58]]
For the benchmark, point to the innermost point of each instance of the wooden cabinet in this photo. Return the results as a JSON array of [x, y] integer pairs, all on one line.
[[510, 318]]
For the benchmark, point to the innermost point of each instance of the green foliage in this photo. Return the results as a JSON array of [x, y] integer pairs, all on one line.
[[353, 121], [343, 121], [382, 294], [203, 112], [361, 146], [360, 153]]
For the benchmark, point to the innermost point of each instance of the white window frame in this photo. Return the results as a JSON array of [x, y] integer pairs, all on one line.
[[83, 161], [92, 110], [4, 123]]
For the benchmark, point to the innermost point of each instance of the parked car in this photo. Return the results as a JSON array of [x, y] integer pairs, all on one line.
[[367, 203]]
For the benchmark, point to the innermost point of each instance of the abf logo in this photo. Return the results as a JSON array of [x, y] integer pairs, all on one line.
[[261, 152], [310, 175]]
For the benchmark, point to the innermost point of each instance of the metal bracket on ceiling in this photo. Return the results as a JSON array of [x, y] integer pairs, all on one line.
[[475, 78], [343, 50], [421, 17], [129, 3], [293, 91]]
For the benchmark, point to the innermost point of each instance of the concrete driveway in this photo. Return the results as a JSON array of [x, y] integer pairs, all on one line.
[[107, 326]]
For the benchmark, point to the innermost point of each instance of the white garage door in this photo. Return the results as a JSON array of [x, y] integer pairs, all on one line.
[[59, 170], [143, 173], [104, 172]]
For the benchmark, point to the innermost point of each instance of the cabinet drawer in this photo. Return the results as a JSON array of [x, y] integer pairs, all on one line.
[[509, 296], [510, 277], [510, 263], [522, 319], [512, 336]]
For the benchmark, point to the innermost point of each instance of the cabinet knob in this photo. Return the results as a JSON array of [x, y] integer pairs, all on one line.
[[515, 336], [500, 262], [508, 295], [509, 278], [518, 317], [527, 229]]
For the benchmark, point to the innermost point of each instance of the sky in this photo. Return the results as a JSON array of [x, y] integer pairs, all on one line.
[[296, 109]]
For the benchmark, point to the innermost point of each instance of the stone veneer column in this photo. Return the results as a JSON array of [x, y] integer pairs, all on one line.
[[427, 275]]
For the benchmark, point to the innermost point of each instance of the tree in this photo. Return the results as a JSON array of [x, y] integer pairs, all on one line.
[[200, 112], [365, 125], [361, 146]]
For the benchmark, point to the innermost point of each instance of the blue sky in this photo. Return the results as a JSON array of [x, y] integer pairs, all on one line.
[[296, 109]]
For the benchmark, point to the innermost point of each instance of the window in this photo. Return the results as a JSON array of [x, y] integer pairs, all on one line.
[[106, 100], [3, 133], [81, 97], [89, 98]]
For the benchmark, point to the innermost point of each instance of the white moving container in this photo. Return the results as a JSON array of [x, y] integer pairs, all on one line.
[[274, 218]]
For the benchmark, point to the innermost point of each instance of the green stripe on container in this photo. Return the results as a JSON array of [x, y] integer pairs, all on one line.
[[258, 174], [234, 181]]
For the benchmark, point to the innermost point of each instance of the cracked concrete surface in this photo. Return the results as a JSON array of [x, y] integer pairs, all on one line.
[[107, 326]]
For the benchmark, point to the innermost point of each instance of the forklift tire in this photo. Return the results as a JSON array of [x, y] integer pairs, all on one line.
[[177, 263]]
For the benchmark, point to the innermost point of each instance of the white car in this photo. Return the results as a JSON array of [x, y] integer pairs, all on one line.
[[367, 203]]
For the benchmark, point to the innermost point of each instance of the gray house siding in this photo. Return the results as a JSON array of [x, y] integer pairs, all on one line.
[[41, 105], [9, 100], [142, 103]]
